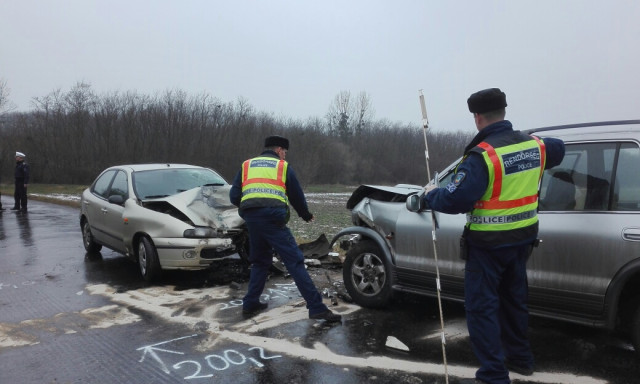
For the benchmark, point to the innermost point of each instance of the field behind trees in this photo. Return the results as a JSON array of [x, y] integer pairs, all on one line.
[[69, 137]]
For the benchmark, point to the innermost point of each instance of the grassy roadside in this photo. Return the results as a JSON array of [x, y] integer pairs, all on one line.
[[41, 192]]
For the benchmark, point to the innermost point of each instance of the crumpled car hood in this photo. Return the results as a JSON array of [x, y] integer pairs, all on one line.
[[207, 206], [382, 193]]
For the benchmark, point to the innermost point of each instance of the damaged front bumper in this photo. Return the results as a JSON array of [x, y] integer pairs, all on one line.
[[185, 253]]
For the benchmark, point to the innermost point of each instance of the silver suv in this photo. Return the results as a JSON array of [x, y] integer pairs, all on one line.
[[586, 269]]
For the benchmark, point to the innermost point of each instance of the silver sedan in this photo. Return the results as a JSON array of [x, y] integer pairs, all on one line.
[[163, 216]]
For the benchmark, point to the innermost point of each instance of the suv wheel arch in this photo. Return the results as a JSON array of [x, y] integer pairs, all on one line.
[[367, 233], [622, 298]]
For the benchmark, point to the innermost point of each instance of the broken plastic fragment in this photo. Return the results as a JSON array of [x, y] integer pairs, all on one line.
[[394, 343]]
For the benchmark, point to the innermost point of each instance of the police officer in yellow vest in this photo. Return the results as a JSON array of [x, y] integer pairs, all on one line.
[[263, 190], [496, 185]]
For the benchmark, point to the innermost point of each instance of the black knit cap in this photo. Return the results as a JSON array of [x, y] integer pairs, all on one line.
[[487, 100], [276, 141]]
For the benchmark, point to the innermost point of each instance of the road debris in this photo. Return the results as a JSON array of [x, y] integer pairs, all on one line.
[[394, 343]]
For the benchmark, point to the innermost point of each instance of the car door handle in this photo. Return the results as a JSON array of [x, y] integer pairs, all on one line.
[[631, 234], [104, 210]]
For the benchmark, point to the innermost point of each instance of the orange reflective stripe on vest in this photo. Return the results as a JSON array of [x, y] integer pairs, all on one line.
[[278, 181], [494, 202]]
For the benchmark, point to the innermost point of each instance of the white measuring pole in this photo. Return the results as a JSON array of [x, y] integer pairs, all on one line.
[[425, 127]]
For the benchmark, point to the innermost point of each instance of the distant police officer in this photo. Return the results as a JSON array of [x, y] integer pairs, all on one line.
[[496, 184], [263, 189], [21, 181]]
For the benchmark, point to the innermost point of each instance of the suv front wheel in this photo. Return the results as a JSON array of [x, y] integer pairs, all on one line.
[[367, 275]]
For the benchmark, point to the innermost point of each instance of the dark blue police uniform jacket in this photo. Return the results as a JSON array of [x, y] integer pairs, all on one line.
[[294, 190], [473, 177]]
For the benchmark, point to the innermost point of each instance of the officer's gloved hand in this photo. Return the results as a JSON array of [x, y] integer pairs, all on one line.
[[308, 217], [429, 187]]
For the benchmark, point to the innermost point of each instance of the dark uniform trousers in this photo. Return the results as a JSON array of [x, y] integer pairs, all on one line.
[[496, 295], [268, 232], [20, 195]]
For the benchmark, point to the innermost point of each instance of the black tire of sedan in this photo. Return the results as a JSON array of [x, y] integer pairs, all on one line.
[[87, 239], [367, 275], [148, 260]]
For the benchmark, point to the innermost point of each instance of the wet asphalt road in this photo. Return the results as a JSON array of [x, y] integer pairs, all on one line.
[[69, 317]]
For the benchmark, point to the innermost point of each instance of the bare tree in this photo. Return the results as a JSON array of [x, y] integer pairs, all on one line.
[[348, 117], [5, 104], [71, 136], [339, 114], [363, 113]]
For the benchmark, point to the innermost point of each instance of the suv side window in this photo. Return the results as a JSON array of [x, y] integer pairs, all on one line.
[[626, 188], [582, 182]]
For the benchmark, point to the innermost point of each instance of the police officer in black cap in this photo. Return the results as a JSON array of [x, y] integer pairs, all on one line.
[[21, 182], [262, 190], [496, 185]]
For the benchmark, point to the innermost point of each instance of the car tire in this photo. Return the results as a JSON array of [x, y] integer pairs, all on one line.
[[87, 239], [148, 260], [367, 275], [634, 330]]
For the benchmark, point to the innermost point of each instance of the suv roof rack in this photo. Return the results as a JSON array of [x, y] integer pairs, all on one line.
[[582, 125]]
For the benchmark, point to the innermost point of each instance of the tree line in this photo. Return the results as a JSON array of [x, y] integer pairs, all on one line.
[[69, 137]]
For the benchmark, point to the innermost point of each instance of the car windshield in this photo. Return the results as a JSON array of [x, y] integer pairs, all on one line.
[[170, 181]]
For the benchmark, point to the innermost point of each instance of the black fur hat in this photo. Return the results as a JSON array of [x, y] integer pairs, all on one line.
[[487, 100], [276, 141]]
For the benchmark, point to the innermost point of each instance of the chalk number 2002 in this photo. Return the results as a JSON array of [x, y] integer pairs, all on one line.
[[220, 363]]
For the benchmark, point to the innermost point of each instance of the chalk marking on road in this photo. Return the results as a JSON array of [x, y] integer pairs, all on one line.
[[162, 305], [194, 369], [151, 351]]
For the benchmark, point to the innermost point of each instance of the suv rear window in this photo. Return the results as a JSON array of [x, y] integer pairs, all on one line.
[[584, 179]]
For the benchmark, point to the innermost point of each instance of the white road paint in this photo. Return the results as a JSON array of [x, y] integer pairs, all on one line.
[[168, 303], [26, 332], [320, 352], [201, 310], [454, 330]]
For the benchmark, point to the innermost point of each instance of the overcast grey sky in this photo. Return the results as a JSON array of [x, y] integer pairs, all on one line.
[[558, 61]]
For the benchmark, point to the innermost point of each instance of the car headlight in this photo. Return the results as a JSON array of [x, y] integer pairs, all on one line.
[[200, 232]]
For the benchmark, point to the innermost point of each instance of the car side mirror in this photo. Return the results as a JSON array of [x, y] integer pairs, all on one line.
[[116, 199], [414, 202]]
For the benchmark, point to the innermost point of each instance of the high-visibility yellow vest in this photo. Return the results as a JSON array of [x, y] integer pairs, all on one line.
[[507, 212], [263, 183]]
